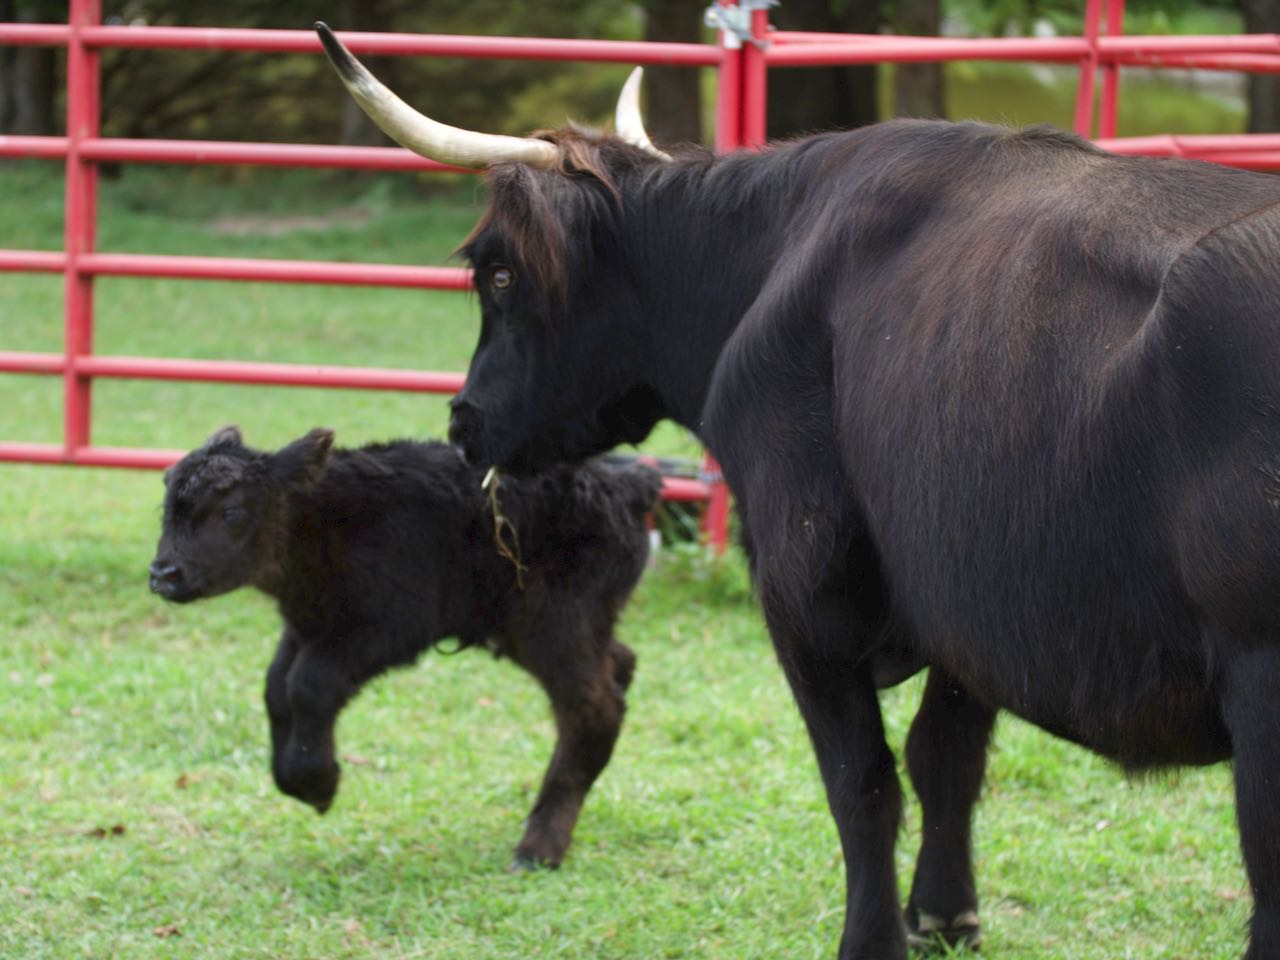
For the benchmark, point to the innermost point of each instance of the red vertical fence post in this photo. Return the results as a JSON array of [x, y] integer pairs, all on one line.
[[755, 80], [729, 136], [1088, 69], [80, 223], [1111, 73], [728, 86]]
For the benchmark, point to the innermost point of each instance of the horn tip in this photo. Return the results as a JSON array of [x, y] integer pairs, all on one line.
[[338, 55]]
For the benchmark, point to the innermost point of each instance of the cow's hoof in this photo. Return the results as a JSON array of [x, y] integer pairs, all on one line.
[[930, 934]]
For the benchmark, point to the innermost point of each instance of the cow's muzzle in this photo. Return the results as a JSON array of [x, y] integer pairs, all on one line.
[[465, 427]]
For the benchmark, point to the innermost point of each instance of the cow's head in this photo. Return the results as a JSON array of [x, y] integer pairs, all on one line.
[[557, 374], [224, 511]]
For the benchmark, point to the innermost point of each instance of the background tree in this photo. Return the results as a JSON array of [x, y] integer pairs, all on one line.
[[674, 109], [918, 87], [1263, 16], [819, 98], [245, 96], [30, 76]]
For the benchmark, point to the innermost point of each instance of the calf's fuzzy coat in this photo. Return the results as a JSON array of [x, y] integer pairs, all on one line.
[[376, 554]]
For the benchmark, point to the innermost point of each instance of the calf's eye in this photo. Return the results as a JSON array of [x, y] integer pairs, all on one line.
[[234, 516], [502, 278]]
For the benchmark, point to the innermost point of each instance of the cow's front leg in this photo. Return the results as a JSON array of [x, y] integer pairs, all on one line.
[[946, 757], [834, 687], [588, 698], [1251, 710], [306, 765]]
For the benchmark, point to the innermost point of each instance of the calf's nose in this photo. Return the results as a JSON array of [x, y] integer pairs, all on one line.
[[165, 576]]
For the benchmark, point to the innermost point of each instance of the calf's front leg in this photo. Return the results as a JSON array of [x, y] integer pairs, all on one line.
[[305, 763]]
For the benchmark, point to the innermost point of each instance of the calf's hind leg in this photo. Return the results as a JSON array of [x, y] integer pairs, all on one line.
[[588, 699], [279, 714], [946, 757]]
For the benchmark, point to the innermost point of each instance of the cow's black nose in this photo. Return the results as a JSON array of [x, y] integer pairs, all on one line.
[[165, 577]]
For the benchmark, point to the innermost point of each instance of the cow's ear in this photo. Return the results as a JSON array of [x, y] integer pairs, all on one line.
[[303, 462], [229, 434]]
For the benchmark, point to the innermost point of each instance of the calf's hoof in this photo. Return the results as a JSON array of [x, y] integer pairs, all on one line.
[[537, 853], [315, 784], [523, 863], [929, 934]]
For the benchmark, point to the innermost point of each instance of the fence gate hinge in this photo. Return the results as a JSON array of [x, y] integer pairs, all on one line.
[[735, 22]]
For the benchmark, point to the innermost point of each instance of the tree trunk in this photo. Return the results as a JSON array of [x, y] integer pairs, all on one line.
[[806, 99], [918, 87], [7, 104], [35, 79], [673, 112], [374, 16], [1263, 16]]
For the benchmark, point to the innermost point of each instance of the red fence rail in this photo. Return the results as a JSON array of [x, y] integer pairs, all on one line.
[[747, 48]]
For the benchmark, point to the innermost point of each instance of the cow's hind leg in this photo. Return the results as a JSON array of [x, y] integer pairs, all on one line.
[[946, 757], [835, 690], [588, 698], [1251, 710]]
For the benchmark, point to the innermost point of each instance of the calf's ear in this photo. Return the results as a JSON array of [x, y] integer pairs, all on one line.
[[229, 434], [303, 462]]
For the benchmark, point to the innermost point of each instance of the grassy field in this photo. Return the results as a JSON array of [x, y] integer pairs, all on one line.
[[137, 816]]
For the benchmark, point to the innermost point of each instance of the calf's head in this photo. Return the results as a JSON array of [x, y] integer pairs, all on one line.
[[225, 507], [558, 371]]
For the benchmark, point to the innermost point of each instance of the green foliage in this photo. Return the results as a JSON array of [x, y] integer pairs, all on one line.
[[1019, 95], [999, 17], [234, 96]]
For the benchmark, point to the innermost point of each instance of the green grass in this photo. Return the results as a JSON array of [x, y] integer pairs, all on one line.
[[707, 836]]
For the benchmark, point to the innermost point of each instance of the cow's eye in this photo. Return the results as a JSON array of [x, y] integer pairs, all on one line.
[[234, 516], [502, 278]]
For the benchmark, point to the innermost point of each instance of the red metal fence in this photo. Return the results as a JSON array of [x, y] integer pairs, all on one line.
[[748, 47]]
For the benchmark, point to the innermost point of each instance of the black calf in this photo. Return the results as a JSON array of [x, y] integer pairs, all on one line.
[[376, 554]]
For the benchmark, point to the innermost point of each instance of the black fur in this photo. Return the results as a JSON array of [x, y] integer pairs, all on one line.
[[991, 402], [376, 554]]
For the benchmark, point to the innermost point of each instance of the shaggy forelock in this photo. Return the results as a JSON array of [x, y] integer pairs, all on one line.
[[203, 471], [550, 218]]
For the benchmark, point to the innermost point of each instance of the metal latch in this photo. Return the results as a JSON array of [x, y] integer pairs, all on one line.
[[735, 22]]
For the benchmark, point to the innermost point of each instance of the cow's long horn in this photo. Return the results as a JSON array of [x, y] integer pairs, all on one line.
[[627, 120], [424, 136]]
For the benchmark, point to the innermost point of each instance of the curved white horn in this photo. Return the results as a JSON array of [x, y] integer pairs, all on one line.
[[424, 136], [627, 120]]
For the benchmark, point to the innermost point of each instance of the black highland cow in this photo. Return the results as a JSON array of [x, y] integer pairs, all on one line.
[[992, 402], [376, 554]]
